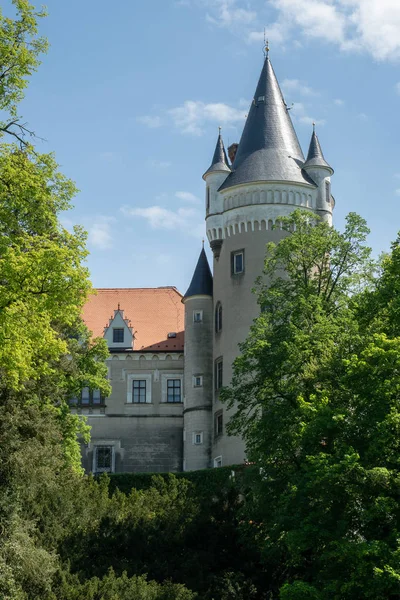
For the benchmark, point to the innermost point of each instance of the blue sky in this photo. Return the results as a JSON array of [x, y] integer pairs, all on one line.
[[131, 94]]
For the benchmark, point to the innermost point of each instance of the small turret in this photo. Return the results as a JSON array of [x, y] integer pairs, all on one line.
[[198, 367], [214, 177], [320, 172]]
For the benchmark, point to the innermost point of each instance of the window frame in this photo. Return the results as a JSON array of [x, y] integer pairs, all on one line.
[[139, 376], [91, 400], [218, 462], [218, 373], [139, 390], [194, 438], [96, 447], [234, 254], [200, 313], [218, 423], [119, 330], [174, 380], [195, 377], [218, 317]]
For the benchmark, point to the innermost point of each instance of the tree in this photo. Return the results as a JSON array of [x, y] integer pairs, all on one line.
[[316, 394]]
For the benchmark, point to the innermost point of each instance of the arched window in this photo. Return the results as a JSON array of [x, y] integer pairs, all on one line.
[[218, 317]]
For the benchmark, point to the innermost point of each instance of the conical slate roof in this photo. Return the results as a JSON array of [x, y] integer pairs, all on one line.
[[315, 157], [220, 160], [269, 149], [202, 281]]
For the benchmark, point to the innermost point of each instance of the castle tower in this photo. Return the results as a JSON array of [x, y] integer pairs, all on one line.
[[320, 172], [268, 180], [198, 361]]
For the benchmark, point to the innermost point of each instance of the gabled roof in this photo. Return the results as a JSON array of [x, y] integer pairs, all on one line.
[[202, 281], [268, 149], [153, 312], [315, 157], [220, 160]]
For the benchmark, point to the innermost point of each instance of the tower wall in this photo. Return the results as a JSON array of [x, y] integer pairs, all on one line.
[[198, 360], [250, 220]]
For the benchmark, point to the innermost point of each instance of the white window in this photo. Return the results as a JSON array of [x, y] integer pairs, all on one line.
[[197, 380], [197, 316], [237, 262], [217, 462], [103, 459], [197, 438], [139, 389]]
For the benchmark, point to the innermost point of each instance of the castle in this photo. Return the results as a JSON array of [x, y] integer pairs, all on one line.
[[170, 355]]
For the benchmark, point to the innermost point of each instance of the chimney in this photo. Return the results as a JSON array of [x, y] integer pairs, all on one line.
[[232, 152]]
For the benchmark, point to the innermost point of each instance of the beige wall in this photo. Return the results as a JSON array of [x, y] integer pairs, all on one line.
[[144, 437], [239, 310]]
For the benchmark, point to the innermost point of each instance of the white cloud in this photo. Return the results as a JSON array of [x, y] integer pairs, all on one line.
[[99, 233], [188, 197], [339, 102], [296, 86], [185, 220], [370, 26], [362, 116], [397, 87], [226, 13], [397, 192], [193, 114], [150, 121]]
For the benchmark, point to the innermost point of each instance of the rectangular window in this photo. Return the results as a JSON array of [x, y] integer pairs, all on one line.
[[218, 373], [85, 398], [118, 335], [328, 191], [218, 423], [174, 390], [96, 397], [139, 391], [197, 380], [218, 462], [197, 438], [237, 262], [197, 316], [208, 199], [103, 459]]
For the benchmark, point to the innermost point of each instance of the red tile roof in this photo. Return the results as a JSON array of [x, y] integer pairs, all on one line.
[[153, 312]]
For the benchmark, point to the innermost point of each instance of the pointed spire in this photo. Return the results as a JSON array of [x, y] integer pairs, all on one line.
[[202, 281], [220, 160], [315, 157], [269, 149]]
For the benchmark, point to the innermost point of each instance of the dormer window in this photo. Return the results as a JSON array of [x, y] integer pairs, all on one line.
[[118, 335], [261, 99]]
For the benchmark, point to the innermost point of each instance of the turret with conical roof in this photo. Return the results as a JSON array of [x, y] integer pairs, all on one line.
[[198, 367], [320, 172], [214, 177], [202, 283], [315, 156], [220, 160]]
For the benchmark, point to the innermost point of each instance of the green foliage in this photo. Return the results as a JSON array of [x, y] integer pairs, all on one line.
[[20, 48], [316, 392]]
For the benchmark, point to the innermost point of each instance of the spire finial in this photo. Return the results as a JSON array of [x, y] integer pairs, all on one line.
[[202, 243], [266, 45], [219, 129], [313, 126], [119, 307]]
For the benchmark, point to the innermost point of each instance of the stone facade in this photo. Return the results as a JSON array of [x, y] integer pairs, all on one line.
[[164, 413]]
